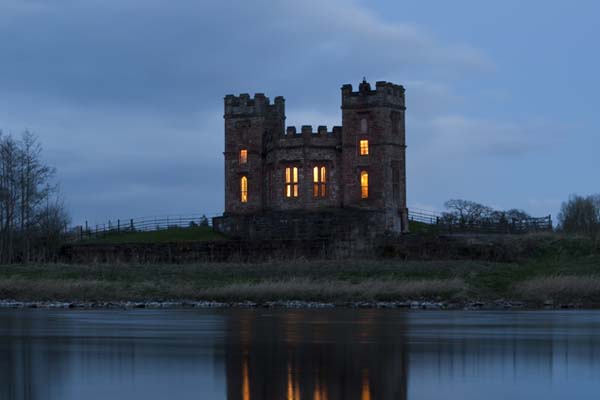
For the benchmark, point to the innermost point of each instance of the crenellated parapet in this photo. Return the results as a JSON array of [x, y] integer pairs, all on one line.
[[308, 131], [385, 94], [259, 105]]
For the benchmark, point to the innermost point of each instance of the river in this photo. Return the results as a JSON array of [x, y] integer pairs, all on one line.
[[264, 354]]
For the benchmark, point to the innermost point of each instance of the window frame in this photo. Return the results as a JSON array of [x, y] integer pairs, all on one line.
[[291, 182], [320, 181], [364, 125], [244, 189], [243, 156], [364, 184], [365, 148]]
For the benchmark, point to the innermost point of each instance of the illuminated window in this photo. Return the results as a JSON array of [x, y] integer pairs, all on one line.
[[319, 181], [244, 189], [243, 156], [364, 185], [291, 182], [364, 147]]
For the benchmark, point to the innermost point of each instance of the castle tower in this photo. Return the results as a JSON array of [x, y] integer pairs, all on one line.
[[249, 124], [373, 151]]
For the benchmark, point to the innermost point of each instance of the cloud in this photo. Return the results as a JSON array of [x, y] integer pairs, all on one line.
[[157, 54], [458, 136], [127, 96]]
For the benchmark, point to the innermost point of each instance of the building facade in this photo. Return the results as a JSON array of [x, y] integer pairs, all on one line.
[[273, 173]]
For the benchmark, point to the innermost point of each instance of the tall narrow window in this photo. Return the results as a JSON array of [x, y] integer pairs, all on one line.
[[244, 189], [363, 125], [291, 182], [364, 185], [395, 181], [271, 184], [243, 156], [319, 181], [364, 147]]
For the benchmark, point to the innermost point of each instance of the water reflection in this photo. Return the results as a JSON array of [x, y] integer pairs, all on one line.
[[298, 355]]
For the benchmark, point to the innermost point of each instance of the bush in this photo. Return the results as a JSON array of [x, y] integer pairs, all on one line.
[[580, 215]]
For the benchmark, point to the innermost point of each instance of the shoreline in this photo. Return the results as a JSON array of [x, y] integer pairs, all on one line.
[[472, 305]]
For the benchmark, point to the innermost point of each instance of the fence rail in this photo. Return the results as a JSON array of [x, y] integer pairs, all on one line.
[[500, 224], [140, 224], [430, 218]]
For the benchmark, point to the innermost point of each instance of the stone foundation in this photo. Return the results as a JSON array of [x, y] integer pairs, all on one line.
[[360, 226]]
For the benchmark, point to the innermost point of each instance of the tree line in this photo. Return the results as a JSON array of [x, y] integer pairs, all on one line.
[[578, 215], [581, 214], [33, 219], [465, 212]]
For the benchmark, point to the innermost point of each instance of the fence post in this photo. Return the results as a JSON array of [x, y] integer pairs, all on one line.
[[80, 232], [118, 225], [131, 223]]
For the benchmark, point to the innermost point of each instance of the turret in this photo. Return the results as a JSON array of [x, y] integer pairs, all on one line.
[[373, 142], [250, 125]]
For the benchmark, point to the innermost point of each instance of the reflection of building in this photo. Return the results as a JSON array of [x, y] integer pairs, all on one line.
[[301, 355], [349, 177]]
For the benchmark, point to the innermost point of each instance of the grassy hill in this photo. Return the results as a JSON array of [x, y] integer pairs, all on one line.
[[197, 233]]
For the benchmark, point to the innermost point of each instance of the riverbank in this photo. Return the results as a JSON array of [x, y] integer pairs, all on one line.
[[561, 273], [499, 304]]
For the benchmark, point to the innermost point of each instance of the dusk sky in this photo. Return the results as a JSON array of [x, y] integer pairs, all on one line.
[[127, 96]]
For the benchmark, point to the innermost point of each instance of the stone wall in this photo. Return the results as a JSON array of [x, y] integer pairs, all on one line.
[[257, 126], [495, 248], [211, 251]]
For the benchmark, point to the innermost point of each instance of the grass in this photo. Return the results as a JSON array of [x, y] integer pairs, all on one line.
[[198, 233], [562, 269], [338, 281]]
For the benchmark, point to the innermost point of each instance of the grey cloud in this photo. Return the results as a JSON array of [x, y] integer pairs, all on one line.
[[127, 96], [181, 54]]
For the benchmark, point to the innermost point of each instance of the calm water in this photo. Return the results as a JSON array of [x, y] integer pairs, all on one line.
[[316, 355]]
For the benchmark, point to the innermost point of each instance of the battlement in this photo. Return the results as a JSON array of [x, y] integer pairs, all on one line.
[[385, 94], [307, 130], [244, 105]]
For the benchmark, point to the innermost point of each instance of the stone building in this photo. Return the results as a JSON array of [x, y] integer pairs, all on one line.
[[288, 183]]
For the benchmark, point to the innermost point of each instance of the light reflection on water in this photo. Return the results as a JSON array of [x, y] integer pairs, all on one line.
[[298, 354]]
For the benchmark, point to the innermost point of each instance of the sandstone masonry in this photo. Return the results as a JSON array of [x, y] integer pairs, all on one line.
[[285, 183]]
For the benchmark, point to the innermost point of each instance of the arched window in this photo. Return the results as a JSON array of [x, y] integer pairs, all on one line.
[[363, 125], [244, 189], [291, 182], [319, 181], [243, 156], [364, 185]]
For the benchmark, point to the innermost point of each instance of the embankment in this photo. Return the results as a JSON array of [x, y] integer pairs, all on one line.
[[507, 272]]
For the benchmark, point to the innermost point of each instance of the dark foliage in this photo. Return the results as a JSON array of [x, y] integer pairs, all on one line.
[[32, 217], [581, 215]]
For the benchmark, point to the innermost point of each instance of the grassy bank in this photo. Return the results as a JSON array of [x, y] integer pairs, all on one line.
[[175, 234], [566, 272]]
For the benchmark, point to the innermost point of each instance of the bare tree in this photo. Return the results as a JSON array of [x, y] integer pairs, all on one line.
[[580, 215], [29, 201], [465, 211]]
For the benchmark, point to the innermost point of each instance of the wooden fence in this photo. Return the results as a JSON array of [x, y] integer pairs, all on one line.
[[140, 224], [432, 219], [501, 224]]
